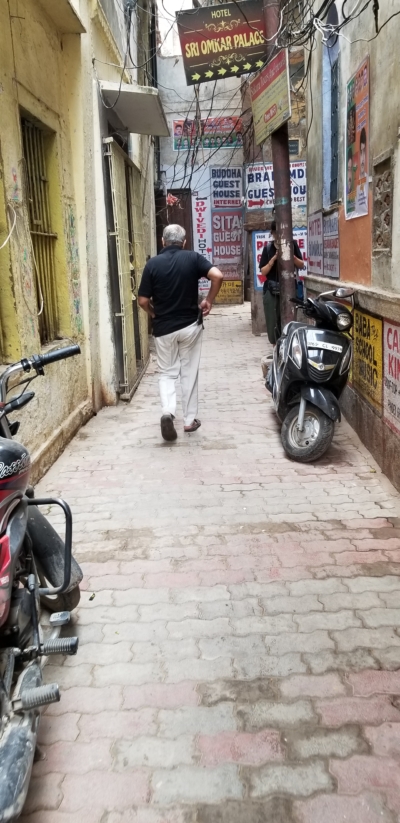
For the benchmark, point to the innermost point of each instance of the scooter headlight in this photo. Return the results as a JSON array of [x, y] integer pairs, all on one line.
[[344, 321], [297, 353], [346, 360]]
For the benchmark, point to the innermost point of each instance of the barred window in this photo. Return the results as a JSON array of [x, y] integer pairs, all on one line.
[[35, 142]]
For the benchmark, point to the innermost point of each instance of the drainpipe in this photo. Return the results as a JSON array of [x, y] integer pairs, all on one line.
[[283, 205]]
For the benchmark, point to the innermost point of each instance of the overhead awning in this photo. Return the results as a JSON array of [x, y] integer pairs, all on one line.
[[64, 16], [139, 108]]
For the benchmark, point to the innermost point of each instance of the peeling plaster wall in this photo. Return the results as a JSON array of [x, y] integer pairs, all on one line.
[[37, 86]]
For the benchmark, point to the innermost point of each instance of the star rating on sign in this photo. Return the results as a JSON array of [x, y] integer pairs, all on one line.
[[230, 70]]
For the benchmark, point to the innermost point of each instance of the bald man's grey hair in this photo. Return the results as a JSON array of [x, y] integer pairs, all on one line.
[[174, 235]]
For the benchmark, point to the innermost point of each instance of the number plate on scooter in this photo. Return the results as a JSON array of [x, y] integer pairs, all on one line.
[[319, 344]]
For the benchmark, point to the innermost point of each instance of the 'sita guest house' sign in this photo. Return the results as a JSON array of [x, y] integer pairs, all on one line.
[[222, 41]]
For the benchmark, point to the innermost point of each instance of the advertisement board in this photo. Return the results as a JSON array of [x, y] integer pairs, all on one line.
[[315, 244], [226, 187], [211, 133], [231, 291], [227, 235], [331, 245], [260, 188], [391, 375], [357, 143], [270, 97], [367, 371], [261, 238], [222, 41]]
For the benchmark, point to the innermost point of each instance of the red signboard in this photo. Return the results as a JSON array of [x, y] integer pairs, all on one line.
[[222, 41]]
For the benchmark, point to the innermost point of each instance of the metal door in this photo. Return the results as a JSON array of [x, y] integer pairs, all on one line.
[[117, 163]]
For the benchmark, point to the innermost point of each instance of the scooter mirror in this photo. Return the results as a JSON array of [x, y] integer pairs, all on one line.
[[342, 292]]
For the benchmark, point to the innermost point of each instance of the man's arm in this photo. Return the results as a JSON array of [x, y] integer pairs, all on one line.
[[147, 306], [216, 277]]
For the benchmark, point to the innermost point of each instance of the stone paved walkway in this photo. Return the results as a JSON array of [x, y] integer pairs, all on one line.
[[240, 627]]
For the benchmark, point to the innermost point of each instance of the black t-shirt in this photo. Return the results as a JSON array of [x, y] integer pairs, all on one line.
[[266, 255], [171, 280]]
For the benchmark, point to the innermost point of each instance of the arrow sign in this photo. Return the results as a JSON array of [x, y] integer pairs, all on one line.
[[247, 66], [195, 76], [235, 68], [222, 71], [209, 73], [252, 203]]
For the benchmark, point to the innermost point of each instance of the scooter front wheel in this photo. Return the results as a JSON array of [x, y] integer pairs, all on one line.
[[315, 438]]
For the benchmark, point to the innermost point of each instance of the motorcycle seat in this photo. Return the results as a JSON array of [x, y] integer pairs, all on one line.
[[291, 327]]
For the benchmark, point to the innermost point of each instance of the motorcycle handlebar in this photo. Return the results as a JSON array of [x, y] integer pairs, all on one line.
[[58, 354]]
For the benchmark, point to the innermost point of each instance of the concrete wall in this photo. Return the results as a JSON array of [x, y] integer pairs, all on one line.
[[52, 77], [42, 93], [374, 274]]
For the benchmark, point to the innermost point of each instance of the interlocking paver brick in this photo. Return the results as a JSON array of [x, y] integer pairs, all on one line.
[[298, 780], [224, 577], [199, 720], [266, 714], [359, 773], [190, 784], [356, 710], [329, 685], [366, 808], [316, 742], [367, 682]]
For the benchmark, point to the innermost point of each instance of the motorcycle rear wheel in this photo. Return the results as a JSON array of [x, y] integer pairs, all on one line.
[[65, 602], [313, 441]]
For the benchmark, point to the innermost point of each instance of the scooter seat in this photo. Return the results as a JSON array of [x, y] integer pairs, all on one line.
[[291, 327]]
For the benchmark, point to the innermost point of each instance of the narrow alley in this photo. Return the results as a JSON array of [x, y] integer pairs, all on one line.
[[240, 620]]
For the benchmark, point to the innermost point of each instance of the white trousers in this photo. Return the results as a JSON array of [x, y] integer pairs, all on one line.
[[178, 354]]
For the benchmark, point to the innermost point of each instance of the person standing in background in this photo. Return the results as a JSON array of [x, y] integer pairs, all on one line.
[[271, 296]]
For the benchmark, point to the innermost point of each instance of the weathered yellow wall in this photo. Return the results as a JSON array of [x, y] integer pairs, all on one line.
[[33, 82]]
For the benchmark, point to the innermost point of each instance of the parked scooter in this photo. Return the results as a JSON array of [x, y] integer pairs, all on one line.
[[308, 373], [36, 568]]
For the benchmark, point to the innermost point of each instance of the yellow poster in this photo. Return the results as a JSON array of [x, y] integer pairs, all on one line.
[[367, 372], [231, 291]]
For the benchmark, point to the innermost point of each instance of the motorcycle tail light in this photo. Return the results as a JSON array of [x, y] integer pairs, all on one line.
[[297, 353], [5, 562], [346, 360]]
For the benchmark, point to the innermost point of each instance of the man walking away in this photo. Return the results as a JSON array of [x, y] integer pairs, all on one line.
[[168, 292], [271, 299]]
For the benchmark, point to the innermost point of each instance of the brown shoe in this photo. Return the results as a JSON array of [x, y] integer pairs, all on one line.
[[168, 430], [193, 427]]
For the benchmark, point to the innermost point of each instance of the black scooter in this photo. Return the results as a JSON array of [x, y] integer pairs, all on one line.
[[36, 569], [308, 373]]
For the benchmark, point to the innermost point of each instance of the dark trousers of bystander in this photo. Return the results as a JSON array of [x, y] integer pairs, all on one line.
[[272, 311]]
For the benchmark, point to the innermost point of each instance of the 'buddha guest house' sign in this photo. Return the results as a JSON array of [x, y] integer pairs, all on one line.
[[222, 41]]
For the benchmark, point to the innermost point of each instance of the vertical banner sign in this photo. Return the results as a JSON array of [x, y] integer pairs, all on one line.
[[331, 245], [262, 238], [222, 41], [260, 187], [202, 241], [315, 244], [270, 97], [357, 142], [226, 187], [367, 359], [391, 375]]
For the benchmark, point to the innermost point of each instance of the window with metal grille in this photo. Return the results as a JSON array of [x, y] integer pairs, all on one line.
[[43, 238]]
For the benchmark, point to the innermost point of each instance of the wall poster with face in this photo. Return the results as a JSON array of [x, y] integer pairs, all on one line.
[[357, 143]]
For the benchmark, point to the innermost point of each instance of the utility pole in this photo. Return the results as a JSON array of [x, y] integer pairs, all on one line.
[[283, 200]]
